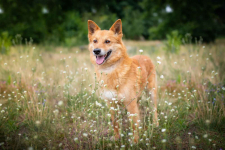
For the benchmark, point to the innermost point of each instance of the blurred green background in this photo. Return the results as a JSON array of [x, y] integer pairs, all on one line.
[[63, 22]]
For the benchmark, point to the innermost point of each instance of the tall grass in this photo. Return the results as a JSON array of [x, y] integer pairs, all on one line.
[[49, 100]]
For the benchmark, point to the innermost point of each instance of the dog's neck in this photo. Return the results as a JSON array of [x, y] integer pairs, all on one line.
[[110, 69], [113, 75]]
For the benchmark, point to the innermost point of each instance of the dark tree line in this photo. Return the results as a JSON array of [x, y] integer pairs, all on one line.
[[60, 21]]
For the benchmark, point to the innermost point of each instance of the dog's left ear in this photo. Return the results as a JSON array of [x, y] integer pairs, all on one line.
[[117, 27]]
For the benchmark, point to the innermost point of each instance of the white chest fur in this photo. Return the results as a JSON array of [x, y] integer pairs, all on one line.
[[109, 69], [112, 95], [107, 94]]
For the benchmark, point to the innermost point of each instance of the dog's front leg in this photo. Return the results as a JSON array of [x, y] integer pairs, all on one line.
[[154, 99], [134, 117], [114, 120]]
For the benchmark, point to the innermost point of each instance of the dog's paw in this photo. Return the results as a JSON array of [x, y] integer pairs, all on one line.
[[155, 123], [136, 138], [114, 138]]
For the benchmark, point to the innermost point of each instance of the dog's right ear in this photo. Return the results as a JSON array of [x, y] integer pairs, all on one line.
[[92, 27]]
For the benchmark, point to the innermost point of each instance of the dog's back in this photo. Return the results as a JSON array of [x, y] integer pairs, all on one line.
[[147, 68]]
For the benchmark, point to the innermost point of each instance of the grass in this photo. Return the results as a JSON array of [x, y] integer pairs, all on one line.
[[49, 100]]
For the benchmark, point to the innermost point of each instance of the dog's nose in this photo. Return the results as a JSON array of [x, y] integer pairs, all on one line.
[[97, 51]]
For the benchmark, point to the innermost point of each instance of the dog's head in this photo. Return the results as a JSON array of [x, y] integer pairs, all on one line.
[[105, 46]]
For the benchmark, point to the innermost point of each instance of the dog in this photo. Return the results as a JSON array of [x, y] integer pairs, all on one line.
[[124, 78]]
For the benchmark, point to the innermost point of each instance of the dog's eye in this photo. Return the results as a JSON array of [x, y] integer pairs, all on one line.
[[107, 41], [95, 41]]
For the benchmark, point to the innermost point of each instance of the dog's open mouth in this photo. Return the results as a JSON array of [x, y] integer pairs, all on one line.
[[101, 59]]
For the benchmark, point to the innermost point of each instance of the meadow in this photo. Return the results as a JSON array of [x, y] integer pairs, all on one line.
[[49, 99]]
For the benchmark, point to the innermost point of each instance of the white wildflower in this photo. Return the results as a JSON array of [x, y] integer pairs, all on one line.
[[113, 99], [130, 133], [102, 82], [60, 144], [98, 104], [163, 140], [60, 103], [163, 130], [30, 148], [38, 122], [205, 135], [56, 111]]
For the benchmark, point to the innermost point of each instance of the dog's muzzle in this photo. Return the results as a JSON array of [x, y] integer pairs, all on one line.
[[97, 51], [100, 59]]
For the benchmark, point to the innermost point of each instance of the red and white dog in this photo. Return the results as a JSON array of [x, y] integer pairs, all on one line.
[[125, 77]]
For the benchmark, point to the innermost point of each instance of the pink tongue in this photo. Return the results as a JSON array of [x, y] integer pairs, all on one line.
[[100, 59]]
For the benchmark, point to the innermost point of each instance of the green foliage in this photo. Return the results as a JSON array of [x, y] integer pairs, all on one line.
[[9, 80], [174, 40], [178, 78], [5, 43], [104, 20], [66, 23], [75, 29], [133, 28], [203, 18]]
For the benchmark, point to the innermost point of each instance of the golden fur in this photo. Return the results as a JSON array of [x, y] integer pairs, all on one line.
[[125, 78]]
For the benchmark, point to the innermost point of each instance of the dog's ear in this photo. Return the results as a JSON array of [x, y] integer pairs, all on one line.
[[92, 27], [117, 27]]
